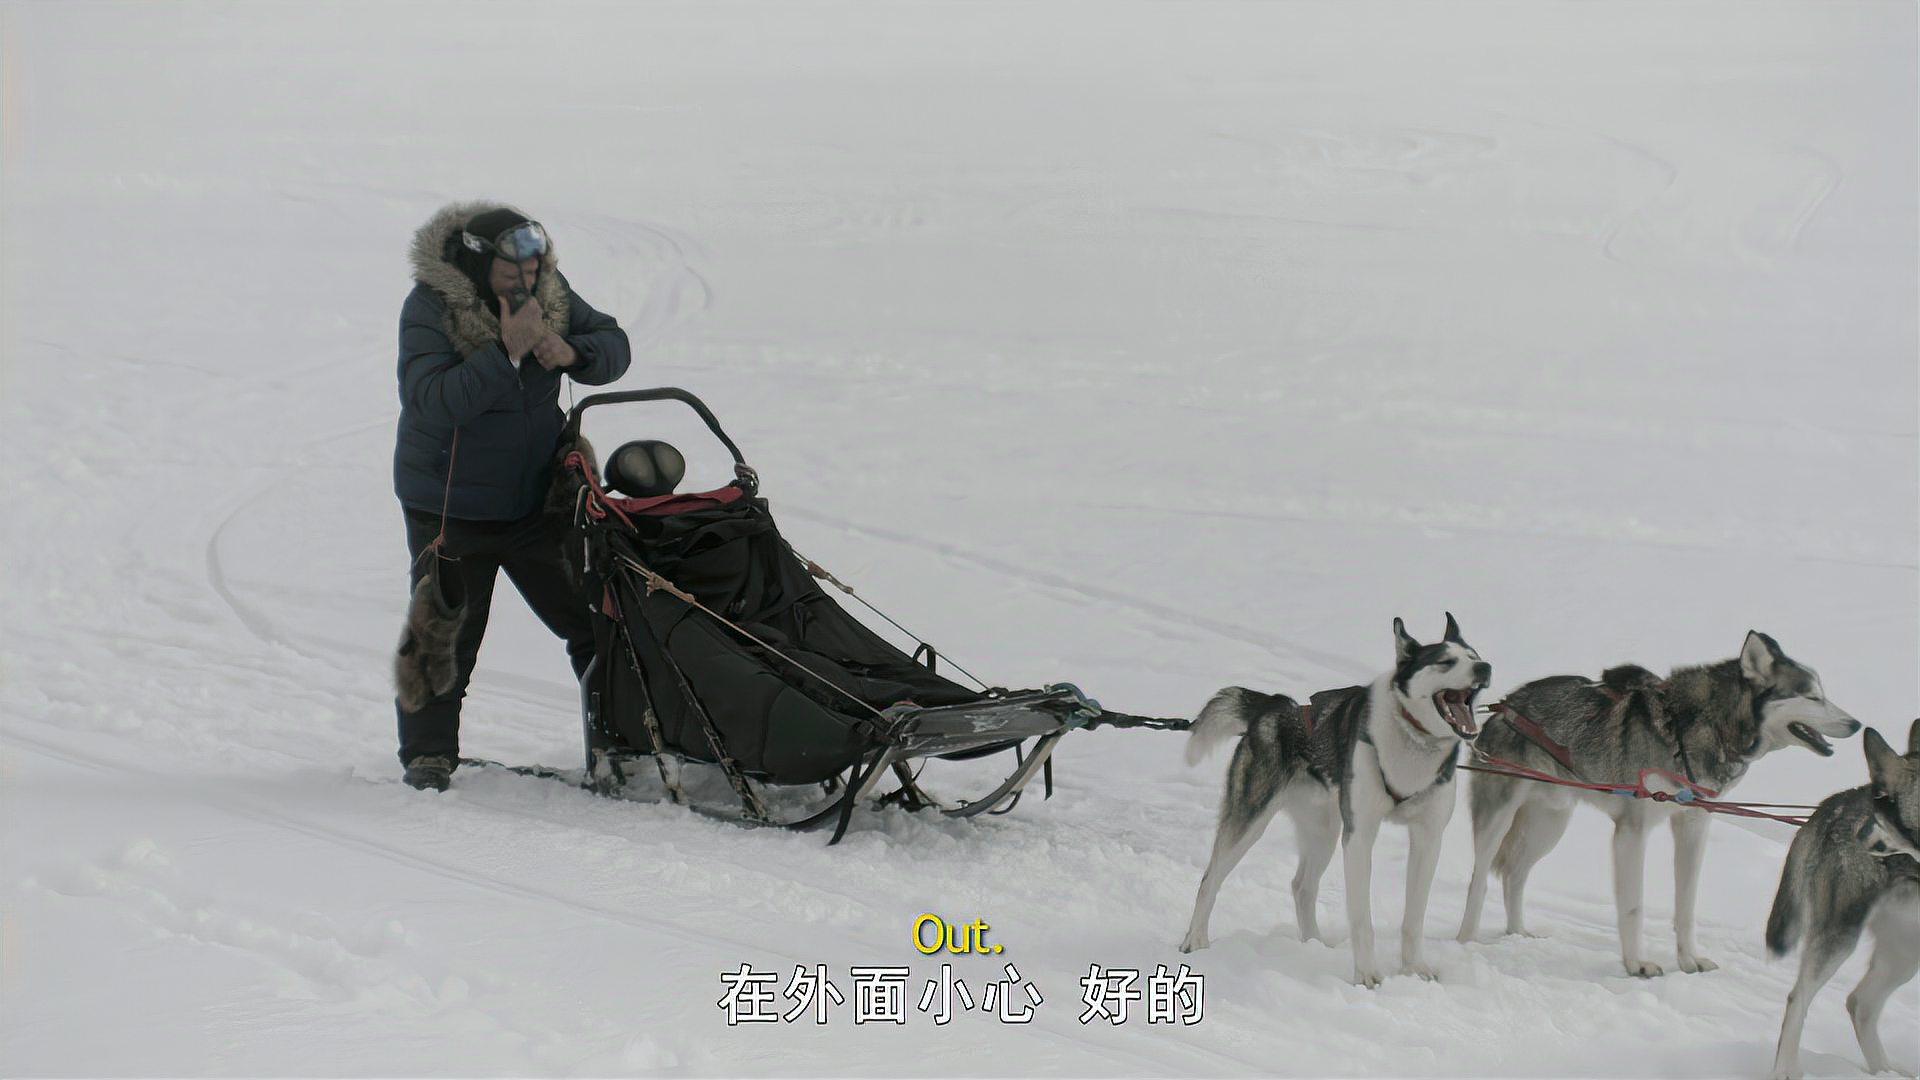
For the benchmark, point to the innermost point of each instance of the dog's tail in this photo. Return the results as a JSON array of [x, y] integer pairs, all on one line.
[[1508, 854], [1533, 832], [1225, 717], [1787, 920]]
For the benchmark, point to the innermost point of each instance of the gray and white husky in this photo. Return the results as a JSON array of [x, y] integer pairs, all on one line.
[[1708, 723], [1350, 761], [1852, 868]]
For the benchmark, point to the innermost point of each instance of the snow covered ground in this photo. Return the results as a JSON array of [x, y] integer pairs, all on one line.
[[1155, 348]]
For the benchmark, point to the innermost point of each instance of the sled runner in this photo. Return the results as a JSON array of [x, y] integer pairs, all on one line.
[[715, 642]]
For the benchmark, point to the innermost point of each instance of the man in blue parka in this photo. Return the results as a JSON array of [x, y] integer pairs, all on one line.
[[486, 335]]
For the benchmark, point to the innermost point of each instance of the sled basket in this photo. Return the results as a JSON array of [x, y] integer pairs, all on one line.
[[716, 643]]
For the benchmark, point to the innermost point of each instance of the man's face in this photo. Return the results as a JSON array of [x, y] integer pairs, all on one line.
[[505, 275]]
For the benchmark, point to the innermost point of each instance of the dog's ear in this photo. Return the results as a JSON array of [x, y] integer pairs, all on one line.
[[1758, 656], [1887, 769], [1403, 644], [1913, 739], [1453, 631]]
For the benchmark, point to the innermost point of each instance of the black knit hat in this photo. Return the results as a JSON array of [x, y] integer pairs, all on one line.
[[477, 265]]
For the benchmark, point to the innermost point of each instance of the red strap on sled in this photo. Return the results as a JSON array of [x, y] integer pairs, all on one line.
[[598, 504], [674, 504], [601, 502]]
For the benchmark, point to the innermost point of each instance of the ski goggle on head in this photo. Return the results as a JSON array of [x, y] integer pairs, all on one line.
[[526, 240]]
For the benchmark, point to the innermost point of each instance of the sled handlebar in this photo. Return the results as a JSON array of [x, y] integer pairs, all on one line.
[[658, 393]]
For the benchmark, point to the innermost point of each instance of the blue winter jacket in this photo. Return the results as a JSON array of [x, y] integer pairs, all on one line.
[[454, 375]]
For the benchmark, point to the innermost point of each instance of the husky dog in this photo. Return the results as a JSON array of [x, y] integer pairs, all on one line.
[[1708, 723], [1851, 868], [1348, 762]]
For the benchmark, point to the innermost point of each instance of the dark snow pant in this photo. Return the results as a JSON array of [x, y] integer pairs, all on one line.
[[529, 550]]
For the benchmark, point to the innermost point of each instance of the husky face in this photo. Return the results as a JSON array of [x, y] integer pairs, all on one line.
[[1895, 826], [1439, 682], [1794, 710]]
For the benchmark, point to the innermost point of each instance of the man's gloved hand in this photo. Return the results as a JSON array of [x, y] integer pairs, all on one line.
[[521, 330], [553, 352]]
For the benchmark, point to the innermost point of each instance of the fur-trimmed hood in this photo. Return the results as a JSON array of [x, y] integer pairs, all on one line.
[[470, 323]]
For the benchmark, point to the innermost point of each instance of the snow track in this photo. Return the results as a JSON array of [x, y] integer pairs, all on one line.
[[1155, 349]]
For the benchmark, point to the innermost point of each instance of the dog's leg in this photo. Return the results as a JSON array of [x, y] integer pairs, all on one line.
[[1357, 852], [1537, 827], [1689, 851], [1896, 956], [1423, 855], [1490, 825], [1317, 830], [1821, 957], [1629, 886], [1240, 828]]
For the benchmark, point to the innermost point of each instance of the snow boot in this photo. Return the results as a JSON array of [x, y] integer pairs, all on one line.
[[429, 771]]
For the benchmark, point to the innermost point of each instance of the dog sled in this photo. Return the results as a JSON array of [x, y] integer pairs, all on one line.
[[718, 644]]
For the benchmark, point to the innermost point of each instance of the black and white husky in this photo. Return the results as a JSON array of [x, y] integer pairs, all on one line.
[[1352, 760], [1708, 723], [1853, 868]]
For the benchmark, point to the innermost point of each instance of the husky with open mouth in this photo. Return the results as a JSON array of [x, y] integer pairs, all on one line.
[[1707, 723], [1348, 762]]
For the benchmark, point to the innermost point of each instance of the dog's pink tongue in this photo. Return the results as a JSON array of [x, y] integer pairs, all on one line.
[[1459, 713]]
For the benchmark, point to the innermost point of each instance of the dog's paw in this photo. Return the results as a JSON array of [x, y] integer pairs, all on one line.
[[1421, 971], [1369, 979], [1521, 931], [1785, 1072], [1193, 943], [1694, 965], [1644, 969]]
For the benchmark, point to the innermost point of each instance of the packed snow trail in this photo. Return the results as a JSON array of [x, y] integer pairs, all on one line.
[[1155, 349]]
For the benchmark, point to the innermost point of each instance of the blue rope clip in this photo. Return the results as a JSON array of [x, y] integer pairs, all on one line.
[[1085, 708]]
